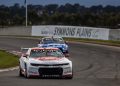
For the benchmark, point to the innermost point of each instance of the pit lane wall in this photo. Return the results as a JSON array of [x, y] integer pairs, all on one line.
[[71, 31]]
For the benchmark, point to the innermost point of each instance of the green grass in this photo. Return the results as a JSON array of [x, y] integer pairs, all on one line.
[[7, 60], [95, 41]]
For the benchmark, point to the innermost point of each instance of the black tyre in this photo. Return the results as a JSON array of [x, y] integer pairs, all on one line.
[[20, 72], [26, 74]]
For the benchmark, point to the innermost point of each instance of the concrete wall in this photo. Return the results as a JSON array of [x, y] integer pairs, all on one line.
[[71, 31], [24, 31], [114, 34]]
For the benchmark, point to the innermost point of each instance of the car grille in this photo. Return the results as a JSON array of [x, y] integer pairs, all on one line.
[[63, 64], [50, 71]]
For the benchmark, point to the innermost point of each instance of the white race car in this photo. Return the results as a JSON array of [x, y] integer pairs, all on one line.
[[45, 62]]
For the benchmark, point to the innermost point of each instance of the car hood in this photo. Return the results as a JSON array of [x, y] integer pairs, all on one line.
[[52, 45], [49, 60]]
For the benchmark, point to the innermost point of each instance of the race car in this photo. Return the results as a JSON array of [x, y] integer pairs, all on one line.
[[45, 62], [56, 42]]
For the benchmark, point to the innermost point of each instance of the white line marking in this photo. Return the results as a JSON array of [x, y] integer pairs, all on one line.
[[9, 69]]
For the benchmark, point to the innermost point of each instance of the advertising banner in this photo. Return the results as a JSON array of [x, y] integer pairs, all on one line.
[[71, 31]]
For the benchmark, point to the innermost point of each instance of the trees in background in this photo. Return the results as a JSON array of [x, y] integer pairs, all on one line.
[[68, 14]]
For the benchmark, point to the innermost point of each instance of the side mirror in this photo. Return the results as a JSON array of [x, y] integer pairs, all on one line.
[[25, 55]]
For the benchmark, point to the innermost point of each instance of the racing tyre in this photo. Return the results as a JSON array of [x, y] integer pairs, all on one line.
[[26, 74], [20, 72]]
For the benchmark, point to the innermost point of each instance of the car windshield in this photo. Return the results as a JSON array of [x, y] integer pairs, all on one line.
[[53, 40], [46, 53]]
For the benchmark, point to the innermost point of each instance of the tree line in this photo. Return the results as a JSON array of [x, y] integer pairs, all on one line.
[[68, 14]]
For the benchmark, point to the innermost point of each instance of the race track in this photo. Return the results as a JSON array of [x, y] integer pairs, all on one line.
[[94, 65]]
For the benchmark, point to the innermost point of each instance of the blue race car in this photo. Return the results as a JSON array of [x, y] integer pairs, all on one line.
[[56, 42]]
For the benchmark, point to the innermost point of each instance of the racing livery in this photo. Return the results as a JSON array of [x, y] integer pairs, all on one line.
[[45, 62], [56, 42]]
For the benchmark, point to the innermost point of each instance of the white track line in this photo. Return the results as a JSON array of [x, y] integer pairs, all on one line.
[[9, 69]]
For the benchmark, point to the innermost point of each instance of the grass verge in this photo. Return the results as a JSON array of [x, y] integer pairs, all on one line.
[[7, 60], [95, 41]]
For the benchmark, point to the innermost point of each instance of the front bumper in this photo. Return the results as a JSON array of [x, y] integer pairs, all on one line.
[[52, 71]]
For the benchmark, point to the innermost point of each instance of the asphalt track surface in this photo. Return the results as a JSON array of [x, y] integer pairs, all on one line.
[[94, 65]]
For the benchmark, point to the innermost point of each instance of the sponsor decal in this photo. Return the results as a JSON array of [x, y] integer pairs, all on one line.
[[47, 58], [71, 31], [64, 31]]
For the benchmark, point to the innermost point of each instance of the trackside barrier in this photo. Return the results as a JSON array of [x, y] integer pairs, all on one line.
[[17, 31], [71, 31], [64, 31]]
